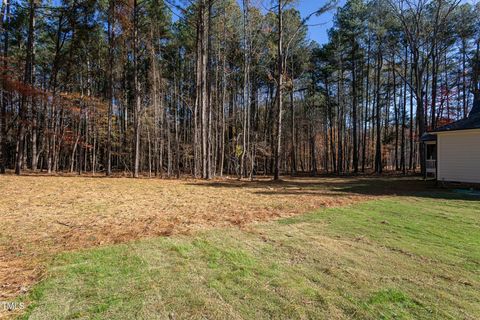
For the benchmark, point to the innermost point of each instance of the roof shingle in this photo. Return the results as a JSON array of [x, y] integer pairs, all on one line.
[[472, 122]]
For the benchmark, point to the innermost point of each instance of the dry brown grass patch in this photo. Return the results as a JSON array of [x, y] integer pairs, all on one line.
[[44, 215]]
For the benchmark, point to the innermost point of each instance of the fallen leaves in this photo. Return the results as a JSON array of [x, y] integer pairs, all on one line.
[[44, 215]]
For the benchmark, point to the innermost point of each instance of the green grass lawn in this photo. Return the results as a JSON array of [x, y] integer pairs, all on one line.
[[396, 258]]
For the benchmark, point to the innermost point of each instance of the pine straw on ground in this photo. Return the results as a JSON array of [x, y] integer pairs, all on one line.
[[44, 215]]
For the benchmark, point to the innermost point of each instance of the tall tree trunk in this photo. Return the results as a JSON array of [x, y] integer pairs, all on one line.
[[412, 152], [434, 84], [378, 148], [197, 142], [279, 92], [476, 80], [28, 80], [204, 43], [464, 78], [5, 94], [404, 112], [340, 118], [293, 156], [367, 104], [246, 87], [209, 83], [137, 98], [396, 111], [420, 110], [110, 90], [354, 107]]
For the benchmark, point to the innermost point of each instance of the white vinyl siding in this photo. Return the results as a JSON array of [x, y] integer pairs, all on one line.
[[459, 156]]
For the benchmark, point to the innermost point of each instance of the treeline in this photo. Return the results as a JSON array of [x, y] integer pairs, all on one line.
[[214, 87]]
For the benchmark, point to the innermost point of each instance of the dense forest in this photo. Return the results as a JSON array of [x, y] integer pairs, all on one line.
[[224, 87]]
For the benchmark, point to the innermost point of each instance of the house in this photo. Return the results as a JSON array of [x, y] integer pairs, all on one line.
[[453, 150]]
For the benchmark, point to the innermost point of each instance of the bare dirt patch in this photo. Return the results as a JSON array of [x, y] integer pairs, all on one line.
[[44, 215]]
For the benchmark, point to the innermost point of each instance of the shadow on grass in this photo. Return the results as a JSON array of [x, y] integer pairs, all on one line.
[[322, 185], [340, 186]]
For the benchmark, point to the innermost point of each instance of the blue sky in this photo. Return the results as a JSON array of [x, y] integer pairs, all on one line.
[[318, 32]]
